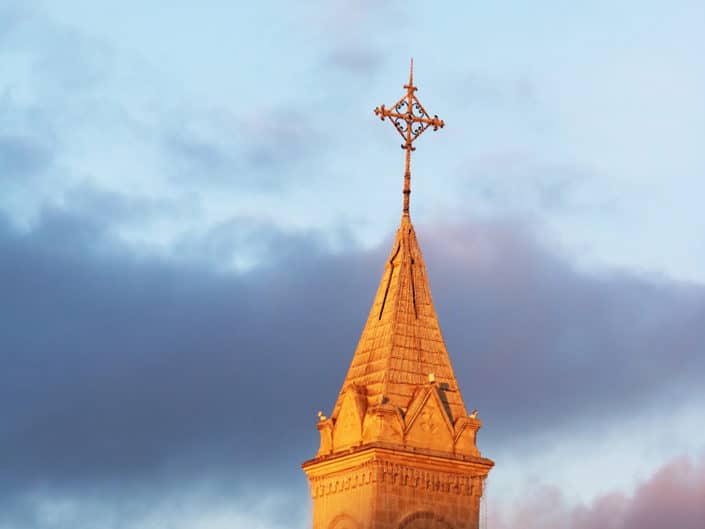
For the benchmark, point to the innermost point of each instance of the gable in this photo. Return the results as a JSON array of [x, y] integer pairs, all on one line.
[[429, 427], [347, 432]]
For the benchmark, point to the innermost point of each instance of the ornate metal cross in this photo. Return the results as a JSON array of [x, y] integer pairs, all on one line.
[[411, 120]]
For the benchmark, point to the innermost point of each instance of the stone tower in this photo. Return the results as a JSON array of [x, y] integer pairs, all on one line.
[[399, 451]]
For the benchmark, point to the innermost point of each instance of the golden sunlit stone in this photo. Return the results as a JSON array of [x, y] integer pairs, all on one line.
[[398, 451]]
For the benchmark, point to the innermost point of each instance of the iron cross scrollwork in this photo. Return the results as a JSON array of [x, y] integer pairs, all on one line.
[[411, 120]]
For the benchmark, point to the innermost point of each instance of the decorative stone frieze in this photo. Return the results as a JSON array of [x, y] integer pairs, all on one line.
[[429, 480]]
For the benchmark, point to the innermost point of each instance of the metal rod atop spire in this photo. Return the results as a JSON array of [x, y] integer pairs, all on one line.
[[411, 120]]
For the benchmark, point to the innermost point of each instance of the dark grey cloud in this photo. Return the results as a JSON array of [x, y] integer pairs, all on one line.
[[113, 365], [538, 343], [119, 368], [248, 242]]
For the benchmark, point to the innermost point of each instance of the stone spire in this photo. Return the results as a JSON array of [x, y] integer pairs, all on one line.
[[401, 344]]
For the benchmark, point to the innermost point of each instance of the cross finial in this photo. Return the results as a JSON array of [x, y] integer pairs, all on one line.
[[411, 120]]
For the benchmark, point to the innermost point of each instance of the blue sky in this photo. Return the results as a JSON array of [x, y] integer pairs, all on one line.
[[585, 120], [177, 178]]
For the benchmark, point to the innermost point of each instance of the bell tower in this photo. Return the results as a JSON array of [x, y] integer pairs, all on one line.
[[399, 450]]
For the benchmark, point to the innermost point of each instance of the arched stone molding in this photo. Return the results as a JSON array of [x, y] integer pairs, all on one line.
[[425, 520], [344, 521]]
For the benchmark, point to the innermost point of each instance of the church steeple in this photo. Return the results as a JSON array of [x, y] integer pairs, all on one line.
[[399, 450]]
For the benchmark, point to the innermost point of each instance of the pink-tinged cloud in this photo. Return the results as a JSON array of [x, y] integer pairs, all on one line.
[[673, 498]]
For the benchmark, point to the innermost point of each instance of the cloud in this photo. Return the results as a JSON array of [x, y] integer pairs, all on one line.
[[672, 497], [244, 242], [77, 112], [239, 152], [198, 505], [356, 60], [514, 180], [121, 368], [536, 340], [123, 365], [22, 157]]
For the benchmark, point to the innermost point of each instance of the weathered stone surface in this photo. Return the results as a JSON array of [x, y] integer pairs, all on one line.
[[385, 488]]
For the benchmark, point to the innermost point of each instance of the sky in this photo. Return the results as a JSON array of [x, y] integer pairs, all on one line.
[[196, 202]]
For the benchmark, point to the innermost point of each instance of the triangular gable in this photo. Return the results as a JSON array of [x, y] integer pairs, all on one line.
[[427, 423], [347, 432]]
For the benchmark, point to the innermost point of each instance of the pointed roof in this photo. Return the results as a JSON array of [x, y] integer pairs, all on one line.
[[402, 343]]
